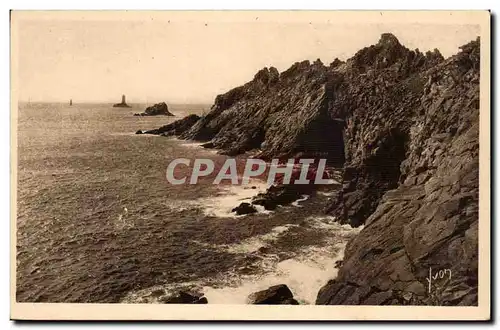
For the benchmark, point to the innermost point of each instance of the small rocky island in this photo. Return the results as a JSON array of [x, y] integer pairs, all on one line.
[[156, 110], [123, 104]]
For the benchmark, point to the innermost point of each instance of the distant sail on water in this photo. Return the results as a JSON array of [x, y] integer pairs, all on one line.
[[71, 102]]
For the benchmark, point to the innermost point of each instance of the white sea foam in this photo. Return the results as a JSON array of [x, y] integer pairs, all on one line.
[[229, 197], [123, 221], [253, 244], [304, 274], [304, 198]]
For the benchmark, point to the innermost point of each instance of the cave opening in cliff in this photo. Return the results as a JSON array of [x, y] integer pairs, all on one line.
[[256, 139], [325, 139]]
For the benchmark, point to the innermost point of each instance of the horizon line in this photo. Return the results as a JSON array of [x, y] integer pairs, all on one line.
[[112, 102]]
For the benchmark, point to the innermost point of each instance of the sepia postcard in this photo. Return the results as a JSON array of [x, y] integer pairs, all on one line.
[[250, 165]]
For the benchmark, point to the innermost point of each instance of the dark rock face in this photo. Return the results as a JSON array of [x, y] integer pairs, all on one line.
[[184, 298], [175, 128], [282, 114], [404, 126], [275, 295], [244, 208], [411, 177], [155, 110], [378, 97]]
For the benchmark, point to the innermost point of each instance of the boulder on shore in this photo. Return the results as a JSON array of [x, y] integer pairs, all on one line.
[[244, 208], [283, 194], [156, 110], [274, 295]]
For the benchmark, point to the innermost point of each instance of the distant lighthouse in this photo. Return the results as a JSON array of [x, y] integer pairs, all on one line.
[[123, 104]]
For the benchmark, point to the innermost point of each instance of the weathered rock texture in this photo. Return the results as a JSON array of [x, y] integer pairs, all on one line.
[[274, 295], [281, 194], [156, 110], [411, 177], [405, 127], [283, 114]]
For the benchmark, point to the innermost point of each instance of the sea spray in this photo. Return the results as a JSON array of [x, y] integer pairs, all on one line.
[[304, 272]]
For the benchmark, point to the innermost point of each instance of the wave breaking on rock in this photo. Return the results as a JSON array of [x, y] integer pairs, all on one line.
[[404, 127]]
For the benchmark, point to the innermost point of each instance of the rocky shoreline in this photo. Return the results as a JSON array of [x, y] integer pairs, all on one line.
[[404, 126], [274, 295]]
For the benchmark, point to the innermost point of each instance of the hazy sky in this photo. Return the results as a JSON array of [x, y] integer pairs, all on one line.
[[182, 61]]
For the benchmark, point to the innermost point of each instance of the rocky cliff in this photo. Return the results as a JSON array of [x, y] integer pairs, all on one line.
[[411, 177], [282, 114], [404, 126]]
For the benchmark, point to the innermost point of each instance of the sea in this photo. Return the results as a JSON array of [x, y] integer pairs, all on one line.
[[97, 221]]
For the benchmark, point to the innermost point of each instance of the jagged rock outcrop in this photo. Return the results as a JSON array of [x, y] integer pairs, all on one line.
[[282, 114], [378, 97], [244, 208], [280, 195], [274, 295], [404, 126], [412, 176], [156, 110]]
